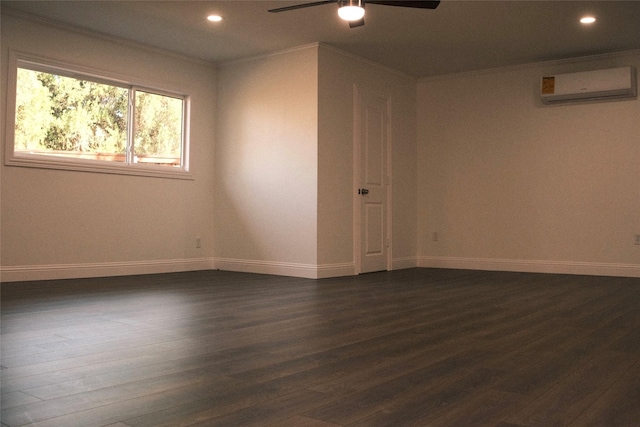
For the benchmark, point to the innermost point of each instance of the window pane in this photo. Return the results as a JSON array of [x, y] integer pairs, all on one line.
[[63, 116], [158, 129]]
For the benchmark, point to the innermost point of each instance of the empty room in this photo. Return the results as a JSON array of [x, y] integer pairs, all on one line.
[[276, 213]]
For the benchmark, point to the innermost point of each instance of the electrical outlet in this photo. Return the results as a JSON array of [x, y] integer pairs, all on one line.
[[198, 243], [637, 240]]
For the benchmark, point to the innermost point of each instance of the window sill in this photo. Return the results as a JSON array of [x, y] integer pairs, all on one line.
[[99, 167]]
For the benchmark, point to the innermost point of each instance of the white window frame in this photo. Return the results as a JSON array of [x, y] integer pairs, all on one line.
[[37, 63]]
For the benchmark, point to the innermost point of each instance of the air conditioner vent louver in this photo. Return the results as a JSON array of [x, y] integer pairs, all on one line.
[[613, 83]]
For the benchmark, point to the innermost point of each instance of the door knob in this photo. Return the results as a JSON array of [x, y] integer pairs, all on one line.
[[363, 191]]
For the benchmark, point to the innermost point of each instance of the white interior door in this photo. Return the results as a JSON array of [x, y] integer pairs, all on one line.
[[373, 181]]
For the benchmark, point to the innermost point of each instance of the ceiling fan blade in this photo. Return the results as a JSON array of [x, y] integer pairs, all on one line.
[[358, 23], [420, 4], [301, 6]]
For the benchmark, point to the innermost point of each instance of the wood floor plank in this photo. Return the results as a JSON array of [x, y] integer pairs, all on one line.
[[300, 421], [270, 411], [573, 395], [52, 408], [16, 398], [426, 406], [410, 347], [99, 416], [482, 409], [617, 406], [356, 407], [207, 406]]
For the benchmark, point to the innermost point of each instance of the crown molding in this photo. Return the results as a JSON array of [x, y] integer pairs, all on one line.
[[100, 36], [531, 65]]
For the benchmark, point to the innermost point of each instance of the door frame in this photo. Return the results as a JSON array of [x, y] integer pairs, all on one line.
[[357, 169]]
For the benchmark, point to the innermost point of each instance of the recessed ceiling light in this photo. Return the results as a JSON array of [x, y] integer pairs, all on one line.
[[587, 20], [214, 18]]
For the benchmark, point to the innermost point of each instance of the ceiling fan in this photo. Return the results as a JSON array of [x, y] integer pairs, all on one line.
[[353, 10]]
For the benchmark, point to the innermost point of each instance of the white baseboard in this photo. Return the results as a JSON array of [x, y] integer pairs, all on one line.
[[105, 269], [309, 271], [403, 263], [532, 266], [336, 270]]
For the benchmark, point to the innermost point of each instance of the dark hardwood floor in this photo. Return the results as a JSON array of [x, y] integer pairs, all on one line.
[[418, 347]]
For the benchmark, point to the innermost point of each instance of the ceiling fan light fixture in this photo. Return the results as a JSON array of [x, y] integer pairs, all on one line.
[[351, 10]]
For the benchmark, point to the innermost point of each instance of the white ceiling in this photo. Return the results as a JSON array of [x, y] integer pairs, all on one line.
[[458, 36]]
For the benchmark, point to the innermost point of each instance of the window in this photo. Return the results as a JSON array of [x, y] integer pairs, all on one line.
[[65, 118]]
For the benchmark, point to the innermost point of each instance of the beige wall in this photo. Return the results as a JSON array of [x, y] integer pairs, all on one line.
[[284, 161], [65, 224], [339, 74], [504, 181], [509, 183], [267, 164]]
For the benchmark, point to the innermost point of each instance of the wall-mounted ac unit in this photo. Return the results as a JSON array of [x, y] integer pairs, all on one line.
[[612, 83]]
